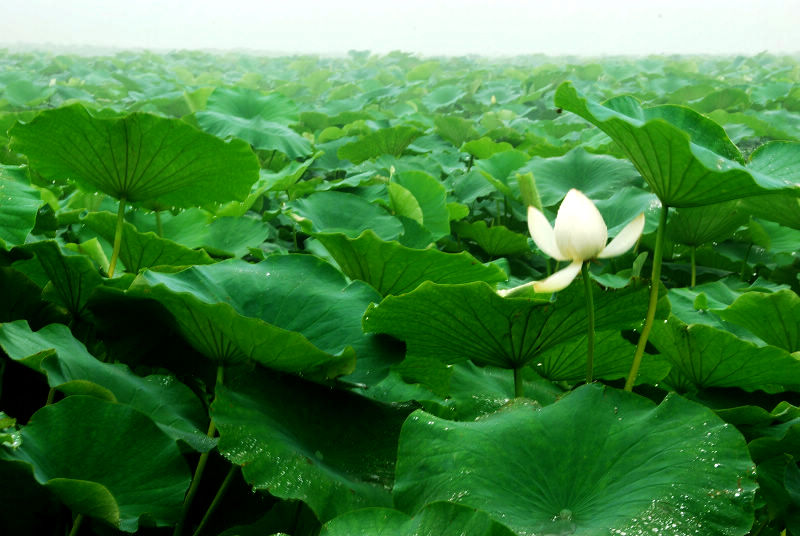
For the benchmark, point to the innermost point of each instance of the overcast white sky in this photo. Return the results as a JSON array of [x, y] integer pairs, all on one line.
[[429, 27]]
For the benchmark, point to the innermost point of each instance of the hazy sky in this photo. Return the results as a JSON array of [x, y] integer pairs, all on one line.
[[499, 27]]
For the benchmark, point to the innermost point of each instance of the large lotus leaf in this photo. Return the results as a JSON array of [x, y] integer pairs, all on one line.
[[443, 96], [225, 236], [777, 159], [597, 176], [294, 313], [392, 141], [455, 129], [467, 391], [439, 518], [685, 158], [248, 103], [22, 299], [340, 212], [392, 268], [73, 278], [772, 317], [470, 321], [496, 240], [72, 369], [703, 356], [331, 449], [485, 147], [700, 225], [105, 460], [431, 196], [783, 208], [620, 465], [138, 157], [19, 203], [258, 132], [499, 168], [613, 356]]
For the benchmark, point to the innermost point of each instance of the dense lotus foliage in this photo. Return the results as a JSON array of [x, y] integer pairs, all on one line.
[[245, 295]]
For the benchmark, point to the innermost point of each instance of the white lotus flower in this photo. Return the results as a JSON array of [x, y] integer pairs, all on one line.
[[579, 235]]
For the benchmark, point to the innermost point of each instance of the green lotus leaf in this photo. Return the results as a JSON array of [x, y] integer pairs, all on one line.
[[500, 167], [685, 157], [496, 240], [613, 356], [597, 176], [248, 103], [294, 313], [258, 132], [331, 449], [221, 236], [703, 356], [700, 225], [339, 212], [70, 368], [431, 198], [771, 317], [391, 268], [19, 203], [138, 157], [455, 129], [443, 96], [470, 321], [485, 147], [73, 277], [143, 250], [778, 159], [623, 466], [105, 460], [440, 518], [392, 141]]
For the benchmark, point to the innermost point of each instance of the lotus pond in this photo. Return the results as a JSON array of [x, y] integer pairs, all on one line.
[[396, 295]]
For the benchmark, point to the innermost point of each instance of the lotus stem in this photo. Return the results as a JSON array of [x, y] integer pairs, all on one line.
[[198, 471], [117, 238], [693, 281], [519, 386], [655, 279], [587, 288], [217, 498], [76, 525]]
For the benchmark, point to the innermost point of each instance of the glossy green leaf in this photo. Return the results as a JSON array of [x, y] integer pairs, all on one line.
[[247, 103], [623, 467], [293, 313], [703, 356], [19, 203], [258, 132], [332, 449], [685, 158], [613, 356], [392, 268], [105, 460], [500, 167], [485, 147], [700, 225], [773, 317], [73, 278], [496, 240], [339, 212], [470, 321], [431, 197], [597, 176], [143, 250], [440, 518], [454, 129], [392, 141], [777, 159], [443, 96], [70, 368], [138, 157]]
